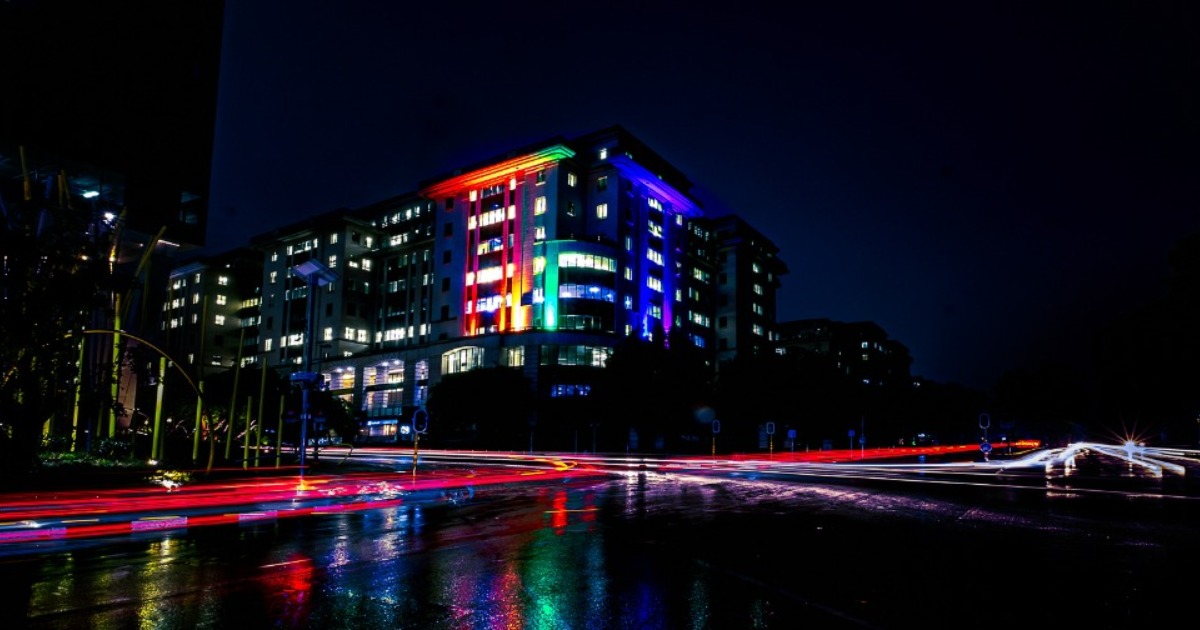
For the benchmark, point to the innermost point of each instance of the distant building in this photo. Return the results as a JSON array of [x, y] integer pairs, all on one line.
[[860, 350], [542, 259], [211, 313], [748, 280]]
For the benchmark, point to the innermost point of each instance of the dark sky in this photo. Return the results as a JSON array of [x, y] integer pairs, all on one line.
[[990, 182]]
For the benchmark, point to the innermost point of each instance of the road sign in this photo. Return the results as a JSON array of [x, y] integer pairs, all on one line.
[[985, 421], [986, 447], [716, 426], [791, 434], [770, 428]]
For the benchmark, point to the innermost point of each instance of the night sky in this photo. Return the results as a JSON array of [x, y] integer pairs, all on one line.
[[990, 182]]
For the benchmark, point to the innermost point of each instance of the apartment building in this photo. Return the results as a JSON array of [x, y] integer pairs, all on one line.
[[542, 259], [860, 350]]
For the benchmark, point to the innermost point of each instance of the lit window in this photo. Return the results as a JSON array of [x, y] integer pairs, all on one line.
[[220, 300], [328, 336], [572, 179], [539, 205], [539, 265], [758, 290], [602, 182], [222, 280], [602, 211], [366, 264], [274, 276], [628, 273], [539, 233], [333, 238], [541, 177], [332, 261], [219, 320], [604, 154]]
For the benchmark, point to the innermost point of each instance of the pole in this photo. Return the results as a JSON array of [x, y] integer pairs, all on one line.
[[262, 399], [155, 438], [279, 432], [307, 368], [116, 369], [78, 392], [196, 432], [237, 377], [246, 435]]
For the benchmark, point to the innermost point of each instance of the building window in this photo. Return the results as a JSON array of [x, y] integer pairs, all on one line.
[[602, 211], [223, 280], [219, 320], [539, 233], [332, 261], [445, 284], [572, 179], [604, 153], [220, 300], [570, 208], [462, 360], [602, 182], [539, 205], [541, 177]]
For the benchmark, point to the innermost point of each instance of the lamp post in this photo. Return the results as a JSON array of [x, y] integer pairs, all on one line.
[[315, 275]]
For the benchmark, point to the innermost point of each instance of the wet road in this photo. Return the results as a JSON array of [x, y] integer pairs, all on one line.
[[650, 549]]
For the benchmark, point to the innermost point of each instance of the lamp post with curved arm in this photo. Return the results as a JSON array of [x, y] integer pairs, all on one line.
[[316, 275]]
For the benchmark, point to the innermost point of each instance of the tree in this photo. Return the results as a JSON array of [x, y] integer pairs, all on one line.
[[54, 282], [660, 393], [486, 408]]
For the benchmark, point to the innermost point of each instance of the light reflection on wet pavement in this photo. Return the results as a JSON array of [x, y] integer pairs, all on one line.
[[644, 550]]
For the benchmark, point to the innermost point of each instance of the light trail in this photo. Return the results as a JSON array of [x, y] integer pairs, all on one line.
[[39, 516]]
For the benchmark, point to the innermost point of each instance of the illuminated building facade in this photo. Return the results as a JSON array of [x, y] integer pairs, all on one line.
[[543, 259]]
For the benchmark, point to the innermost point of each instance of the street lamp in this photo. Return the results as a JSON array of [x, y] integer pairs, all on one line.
[[315, 275]]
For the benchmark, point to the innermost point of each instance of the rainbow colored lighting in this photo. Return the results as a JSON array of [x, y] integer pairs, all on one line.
[[499, 171]]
